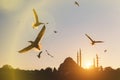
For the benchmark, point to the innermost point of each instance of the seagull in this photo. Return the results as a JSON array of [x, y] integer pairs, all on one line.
[[49, 54], [34, 44], [37, 22], [93, 41], [55, 31], [76, 3], [39, 54], [105, 50]]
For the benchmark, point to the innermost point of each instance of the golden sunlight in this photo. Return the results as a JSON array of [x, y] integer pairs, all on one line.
[[88, 64]]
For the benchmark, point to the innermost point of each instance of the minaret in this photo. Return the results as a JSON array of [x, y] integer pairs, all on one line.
[[80, 59], [93, 62], [97, 60], [77, 58]]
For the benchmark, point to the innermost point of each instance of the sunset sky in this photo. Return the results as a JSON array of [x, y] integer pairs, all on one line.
[[100, 19]]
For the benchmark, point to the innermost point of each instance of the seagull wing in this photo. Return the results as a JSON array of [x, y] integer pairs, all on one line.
[[26, 49], [36, 16], [39, 54], [41, 33], [76, 3], [89, 37], [49, 54], [98, 41]]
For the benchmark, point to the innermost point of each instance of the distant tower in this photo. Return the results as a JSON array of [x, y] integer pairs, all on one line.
[[77, 58], [80, 59], [93, 62], [97, 60]]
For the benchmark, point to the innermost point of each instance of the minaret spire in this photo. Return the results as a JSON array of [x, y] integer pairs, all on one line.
[[93, 62], [77, 58], [97, 60], [80, 57]]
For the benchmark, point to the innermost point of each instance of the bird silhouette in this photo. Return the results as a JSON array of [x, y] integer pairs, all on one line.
[[34, 44], [37, 22], [39, 55], [76, 3], [49, 54], [93, 41], [55, 31], [105, 50]]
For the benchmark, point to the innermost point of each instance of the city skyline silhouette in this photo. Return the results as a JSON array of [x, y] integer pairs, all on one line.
[[64, 35], [68, 70]]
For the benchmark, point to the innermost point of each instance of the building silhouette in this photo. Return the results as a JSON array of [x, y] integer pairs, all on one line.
[[93, 62], [79, 58], [97, 61]]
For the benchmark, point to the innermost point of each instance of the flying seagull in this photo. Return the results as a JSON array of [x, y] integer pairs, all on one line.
[[49, 54], [34, 44], [55, 31], [93, 41], [37, 22], [105, 50], [76, 3], [39, 54]]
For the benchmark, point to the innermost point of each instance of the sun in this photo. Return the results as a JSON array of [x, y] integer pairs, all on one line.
[[88, 64]]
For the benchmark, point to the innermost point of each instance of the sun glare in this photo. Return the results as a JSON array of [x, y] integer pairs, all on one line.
[[88, 64]]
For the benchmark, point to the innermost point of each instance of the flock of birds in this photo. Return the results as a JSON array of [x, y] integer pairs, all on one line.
[[35, 43]]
